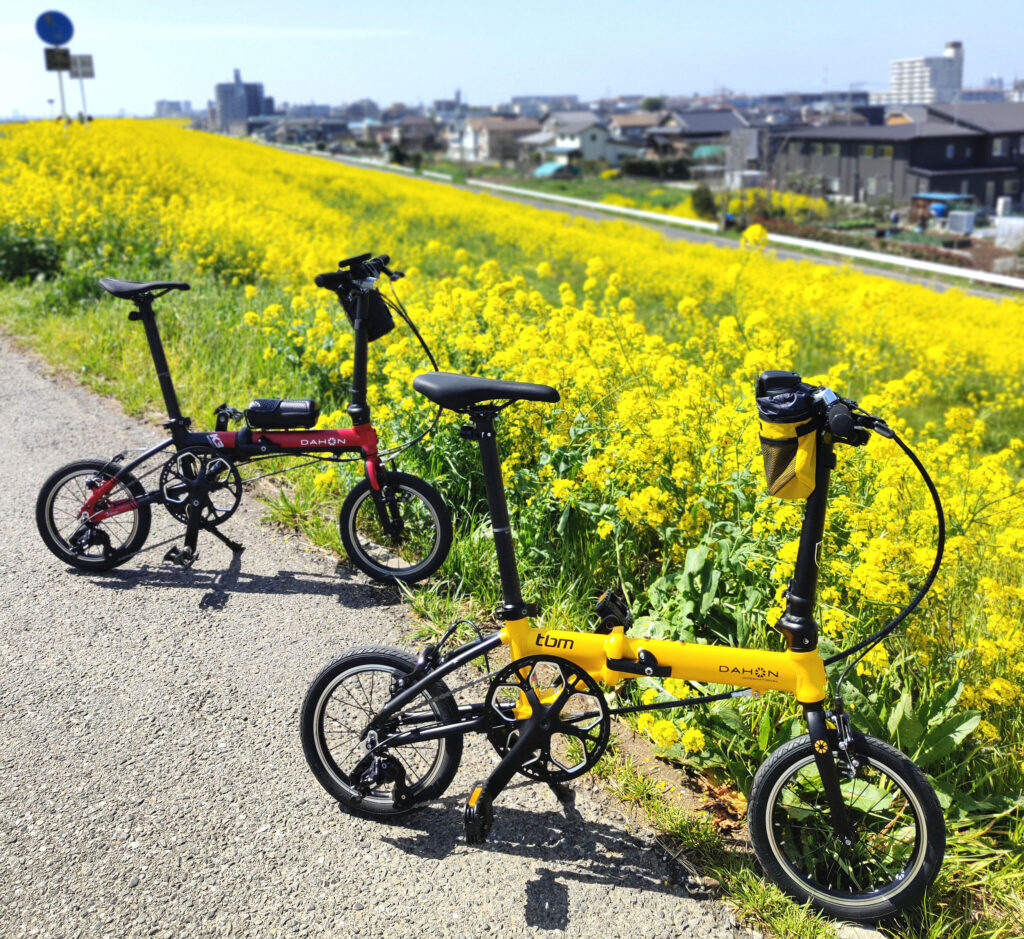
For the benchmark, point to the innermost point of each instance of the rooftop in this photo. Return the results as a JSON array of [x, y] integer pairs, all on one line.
[[885, 132], [992, 117]]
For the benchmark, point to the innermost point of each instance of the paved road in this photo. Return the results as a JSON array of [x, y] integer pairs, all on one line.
[[151, 778]]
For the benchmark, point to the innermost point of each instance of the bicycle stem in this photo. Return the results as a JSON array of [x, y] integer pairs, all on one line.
[[797, 623]]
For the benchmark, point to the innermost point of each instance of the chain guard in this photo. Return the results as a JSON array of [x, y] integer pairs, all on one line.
[[573, 742], [179, 478]]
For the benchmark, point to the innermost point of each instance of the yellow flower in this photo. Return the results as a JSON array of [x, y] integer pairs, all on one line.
[[756, 236], [664, 733], [693, 740]]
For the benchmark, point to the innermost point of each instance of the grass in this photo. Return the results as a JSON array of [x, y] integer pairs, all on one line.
[[693, 840]]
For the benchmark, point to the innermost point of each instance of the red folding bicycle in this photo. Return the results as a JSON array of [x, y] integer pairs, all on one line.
[[95, 514]]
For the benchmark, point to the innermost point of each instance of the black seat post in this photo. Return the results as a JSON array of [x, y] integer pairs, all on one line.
[[358, 409], [483, 432], [145, 313]]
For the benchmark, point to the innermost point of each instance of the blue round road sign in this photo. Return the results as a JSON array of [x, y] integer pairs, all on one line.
[[54, 28]]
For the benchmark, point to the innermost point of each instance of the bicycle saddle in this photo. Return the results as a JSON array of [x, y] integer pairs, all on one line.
[[129, 289], [459, 392]]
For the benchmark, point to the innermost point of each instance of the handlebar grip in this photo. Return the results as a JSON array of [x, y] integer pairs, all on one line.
[[332, 280], [840, 421]]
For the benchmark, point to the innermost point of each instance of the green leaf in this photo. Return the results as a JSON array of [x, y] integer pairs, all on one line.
[[563, 521], [903, 723], [942, 740], [764, 730]]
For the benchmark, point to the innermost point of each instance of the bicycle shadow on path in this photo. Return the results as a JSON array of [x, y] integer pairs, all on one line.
[[571, 848], [220, 585]]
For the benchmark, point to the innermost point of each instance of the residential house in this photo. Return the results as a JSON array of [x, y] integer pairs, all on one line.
[[575, 135], [491, 138], [681, 133], [633, 126], [415, 133], [974, 149]]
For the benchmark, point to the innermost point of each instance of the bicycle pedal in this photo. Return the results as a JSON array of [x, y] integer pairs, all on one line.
[[479, 816], [184, 557]]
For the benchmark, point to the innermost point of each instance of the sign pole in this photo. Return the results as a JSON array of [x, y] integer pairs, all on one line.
[[55, 30], [63, 107], [85, 110]]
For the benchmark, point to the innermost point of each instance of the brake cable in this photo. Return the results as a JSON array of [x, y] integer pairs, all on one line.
[[398, 307], [866, 645]]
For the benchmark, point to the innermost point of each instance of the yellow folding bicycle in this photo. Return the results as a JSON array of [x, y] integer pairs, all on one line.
[[835, 817]]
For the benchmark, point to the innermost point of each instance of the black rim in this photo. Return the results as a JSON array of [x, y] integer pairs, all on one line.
[[343, 711], [62, 517], [887, 819]]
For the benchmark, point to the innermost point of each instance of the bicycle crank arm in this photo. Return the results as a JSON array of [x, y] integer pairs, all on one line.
[[479, 807]]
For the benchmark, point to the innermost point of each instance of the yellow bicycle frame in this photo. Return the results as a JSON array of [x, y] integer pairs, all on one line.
[[800, 673]]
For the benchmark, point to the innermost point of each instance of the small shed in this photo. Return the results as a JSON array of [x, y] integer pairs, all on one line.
[[922, 202]]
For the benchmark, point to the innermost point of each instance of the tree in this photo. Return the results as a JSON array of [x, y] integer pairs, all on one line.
[[703, 202], [652, 104]]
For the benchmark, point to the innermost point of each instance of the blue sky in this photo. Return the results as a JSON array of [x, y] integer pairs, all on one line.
[[332, 52]]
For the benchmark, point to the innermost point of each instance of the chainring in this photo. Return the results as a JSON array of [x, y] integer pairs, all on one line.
[[576, 713], [180, 476]]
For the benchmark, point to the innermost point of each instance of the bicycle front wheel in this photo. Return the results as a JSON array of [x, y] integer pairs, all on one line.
[[899, 833], [404, 538]]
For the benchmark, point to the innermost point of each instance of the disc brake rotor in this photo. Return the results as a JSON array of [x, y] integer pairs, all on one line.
[[179, 481], [576, 713]]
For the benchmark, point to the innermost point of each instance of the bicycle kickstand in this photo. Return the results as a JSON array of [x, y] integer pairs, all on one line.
[[216, 532]]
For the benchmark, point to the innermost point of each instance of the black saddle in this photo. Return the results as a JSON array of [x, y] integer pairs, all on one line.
[[129, 290], [461, 392]]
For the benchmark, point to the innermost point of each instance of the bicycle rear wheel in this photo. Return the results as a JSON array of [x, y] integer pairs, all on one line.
[[342, 700], [897, 821], [92, 545]]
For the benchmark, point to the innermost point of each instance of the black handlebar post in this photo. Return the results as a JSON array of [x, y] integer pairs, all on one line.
[[797, 623], [358, 409]]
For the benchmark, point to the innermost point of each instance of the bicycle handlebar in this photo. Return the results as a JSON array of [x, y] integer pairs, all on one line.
[[354, 272], [844, 424]]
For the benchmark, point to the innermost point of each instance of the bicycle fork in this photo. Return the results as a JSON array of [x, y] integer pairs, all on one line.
[[828, 769]]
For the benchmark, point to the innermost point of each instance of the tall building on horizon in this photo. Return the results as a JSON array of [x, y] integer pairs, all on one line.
[[237, 101], [935, 79]]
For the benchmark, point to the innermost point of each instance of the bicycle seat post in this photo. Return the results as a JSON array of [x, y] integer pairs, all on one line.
[[145, 313], [483, 432]]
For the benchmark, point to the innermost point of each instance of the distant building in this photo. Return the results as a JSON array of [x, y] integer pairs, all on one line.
[[926, 80], [173, 108], [237, 101], [974, 150], [307, 110], [570, 135], [490, 138], [536, 105]]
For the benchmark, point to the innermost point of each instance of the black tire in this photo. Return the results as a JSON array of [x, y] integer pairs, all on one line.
[[900, 835], [339, 704], [103, 546], [413, 554]]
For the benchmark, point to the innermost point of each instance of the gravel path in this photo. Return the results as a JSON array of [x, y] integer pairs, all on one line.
[[151, 777]]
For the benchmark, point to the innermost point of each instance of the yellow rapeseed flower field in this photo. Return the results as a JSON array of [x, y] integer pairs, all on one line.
[[648, 473]]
